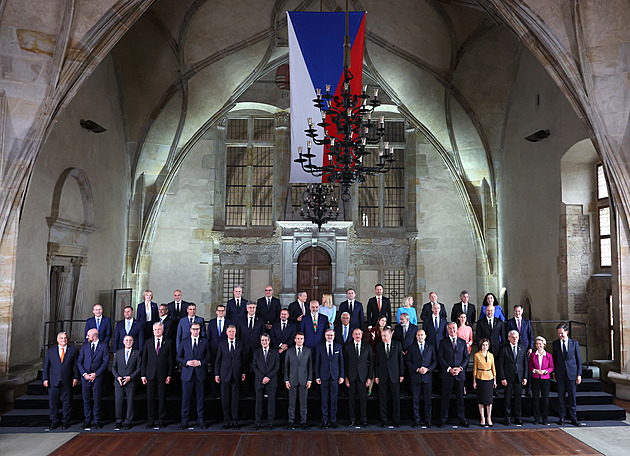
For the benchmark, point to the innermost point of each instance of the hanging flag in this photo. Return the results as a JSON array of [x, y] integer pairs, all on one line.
[[316, 60]]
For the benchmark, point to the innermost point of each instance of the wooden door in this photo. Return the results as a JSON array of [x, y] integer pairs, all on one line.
[[314, 273]]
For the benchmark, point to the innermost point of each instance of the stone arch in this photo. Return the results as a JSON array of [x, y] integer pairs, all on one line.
[[87, 198], [526, 302]]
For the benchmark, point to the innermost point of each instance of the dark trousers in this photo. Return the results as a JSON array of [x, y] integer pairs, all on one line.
[[271, 402], [417, 390], [229, 400], [450, 383], [65, 393], [129, 390], [157, 388], [92, 391], [198, 385], [391, 388], [357, 388], [541, 386], [330, 394], [568, 387], [513, 388], [294, 392]]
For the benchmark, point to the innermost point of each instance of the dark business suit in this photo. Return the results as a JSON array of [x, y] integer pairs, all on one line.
[[526, 337], [496, 335], [141, 316], [183, 329], [339, 334], [358, 370], [270, 314], [427, 311], [104, 329], [262, 368], [233, 312], [405, 339], [295, 310], [92, 362], [193, 377], [60, 377], [421, 383], [136, 332], [279, 337], [567, 367], [357, 319], [214, 337], [471, 313], [450, 358], [434, 337], [389, 370], [174, 314], [373, 314], [169, 330], [298, 370], [329, 369], [131, 369], [229, 366], [155, 368], [312, 337], [513, 370]]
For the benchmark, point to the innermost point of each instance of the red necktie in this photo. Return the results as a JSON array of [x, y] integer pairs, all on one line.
[[379, 304]]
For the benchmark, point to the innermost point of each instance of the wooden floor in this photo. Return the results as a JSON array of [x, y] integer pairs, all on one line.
[[369, 443]]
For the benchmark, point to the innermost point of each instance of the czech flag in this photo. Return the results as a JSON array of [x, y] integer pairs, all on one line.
[[316, 60]]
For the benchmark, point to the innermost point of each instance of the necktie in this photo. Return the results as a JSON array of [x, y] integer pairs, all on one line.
[[358, 350], [314, 324], [379, 305], [436, 323], [345, 333], [268, 302], [63, 354], [231, 346], [454, 343], [329, 350], [514, 350], [299, 352], [190, 321], [421, 349], [519, 325], [157, 349], [93, 347], [564, 348], [464, 309], [220, 326], [490, 322], [284, 326], [238, 305], [251, 323], [194, 345], [265, 352], [98, 323], [387, 350], [351, 307], [404, 331], [126, 357], [177, 307], [128, 326]]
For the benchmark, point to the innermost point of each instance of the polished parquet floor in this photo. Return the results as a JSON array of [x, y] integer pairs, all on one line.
[[401, 443]]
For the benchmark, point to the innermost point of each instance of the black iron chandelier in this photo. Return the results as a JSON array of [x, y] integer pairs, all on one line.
[[319, 205]]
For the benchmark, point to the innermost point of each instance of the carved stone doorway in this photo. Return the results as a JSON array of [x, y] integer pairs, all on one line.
[[314, 272]]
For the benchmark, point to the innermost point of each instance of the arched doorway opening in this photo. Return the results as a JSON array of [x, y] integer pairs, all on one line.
[[314, 272]]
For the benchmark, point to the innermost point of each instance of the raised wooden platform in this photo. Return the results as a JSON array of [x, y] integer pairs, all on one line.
[[451, 442]]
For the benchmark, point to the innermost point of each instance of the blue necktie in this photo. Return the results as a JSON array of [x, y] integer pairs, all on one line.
[[98, 323], [345, 333]]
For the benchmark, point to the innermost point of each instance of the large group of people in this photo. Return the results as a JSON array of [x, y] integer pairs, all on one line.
[[258, 348]]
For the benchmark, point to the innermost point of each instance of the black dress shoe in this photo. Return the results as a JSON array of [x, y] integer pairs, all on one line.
[[85, 425], [561, 422], [117, 426], [464, 424], [65, 426], [203, 425], [162, 425], [305, 425], [181, 427], [396, 424], [257, 426], [324, 425], [333, 425], [269, 427], [364, 423], [536, 421], [290, 426], [53, 426], [544, 422], [352, 424], [415, 424], [98, 425], [150, 425], [508, 422], [427, 424], [226, 426], [519, 422], [575, 422], [383, 424], [441, 424], [127, 427], [236, 426]]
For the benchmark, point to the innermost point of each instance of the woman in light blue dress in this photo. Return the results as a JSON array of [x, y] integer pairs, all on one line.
[[328, 308], [406, 308]]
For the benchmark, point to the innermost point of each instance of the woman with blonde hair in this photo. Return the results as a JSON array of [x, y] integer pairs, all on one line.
[[328, 308], [541, 366], [406, 308]]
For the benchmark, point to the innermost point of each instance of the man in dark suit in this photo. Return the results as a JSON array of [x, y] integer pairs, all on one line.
[[249, 330], [354, 308], [512, 373], [183, 327], [193, 354], [421, 360], [314, 326], [168, 325], [298, 377], [266, 364], [359, 373], [60, 374], [526, 336], [464, 306], [388, 374], [268, 308], [435, 327], [493, 329], [298, 308], [567, 373], [453, 359], [126, 370], [177, 307], [283, 334], [405, 333], [147, 313], [216, 334], [102, 324], [128, 326], [343, 331], [236, 306], [229, 372], [92, 364], [378, 306], [158, 365], [427, 309], [329, 374]]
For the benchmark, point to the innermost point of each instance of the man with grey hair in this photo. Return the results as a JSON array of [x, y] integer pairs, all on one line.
[[464, 306], [512, 373], [453, 359], [389, 371], [158, 365], [266, 364]]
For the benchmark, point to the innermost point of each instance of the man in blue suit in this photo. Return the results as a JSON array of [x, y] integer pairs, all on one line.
[[526, 336], [435, 326], [230, 373], [102, 324], [354, 308], [216, 334], [60, 374], [92, 365], [453, 359], [329, 372], [567, 373], [147, 314], [129, 326], [237, 306], [183, 327], [314, 326], [421, 360], [193, 354]]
